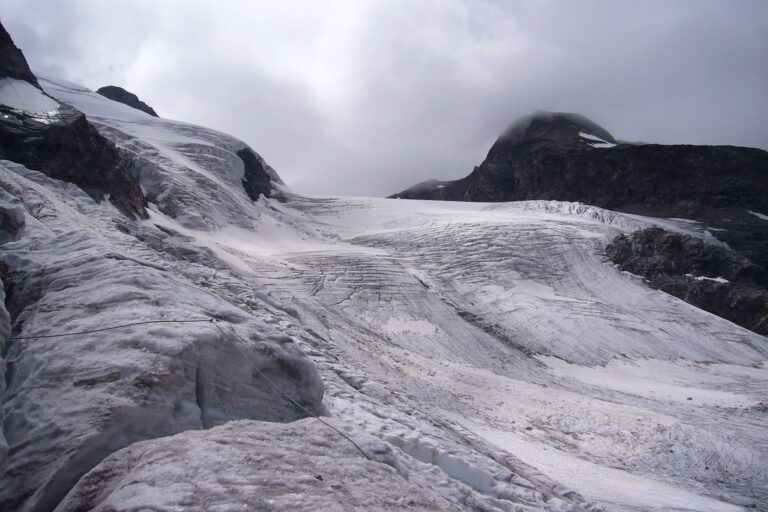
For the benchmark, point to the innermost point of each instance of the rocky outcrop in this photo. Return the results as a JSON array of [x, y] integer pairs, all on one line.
[[62, 143], [67, 147], [126, 98], [711, 277], [12, 221], [569, 158], [257, 176], [12, 61]]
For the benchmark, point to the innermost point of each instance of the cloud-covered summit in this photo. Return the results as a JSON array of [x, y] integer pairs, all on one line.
[[367, 97]]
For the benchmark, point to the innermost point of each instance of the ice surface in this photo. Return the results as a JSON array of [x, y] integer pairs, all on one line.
[[486, 356], [72, 400], [499, 283], [21, 95], [191, 173], [303, 466], [616, 487], [676, 381]]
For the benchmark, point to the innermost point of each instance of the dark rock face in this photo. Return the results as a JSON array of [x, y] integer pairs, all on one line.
[[64, 146], [12, 61], [672, 262], [68, 148], [256, 180], [126, 98], [12, 222], [544, 157]]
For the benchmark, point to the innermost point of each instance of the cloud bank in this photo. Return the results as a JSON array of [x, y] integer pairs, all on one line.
[[363, 97]]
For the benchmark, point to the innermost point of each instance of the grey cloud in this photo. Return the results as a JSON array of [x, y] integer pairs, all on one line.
[[354, 97]]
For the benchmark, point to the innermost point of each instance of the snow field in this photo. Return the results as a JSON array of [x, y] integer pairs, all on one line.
[[21, 95]]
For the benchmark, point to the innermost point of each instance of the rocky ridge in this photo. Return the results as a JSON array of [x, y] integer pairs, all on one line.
[[57, 139], [126, 98], [12, 61], [566, 157]]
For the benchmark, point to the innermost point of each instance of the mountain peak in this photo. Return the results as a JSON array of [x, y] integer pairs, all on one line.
[[120, 95], [555, 127], [12, 61]]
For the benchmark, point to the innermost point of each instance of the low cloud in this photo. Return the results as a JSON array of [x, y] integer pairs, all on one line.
[[369, 97]]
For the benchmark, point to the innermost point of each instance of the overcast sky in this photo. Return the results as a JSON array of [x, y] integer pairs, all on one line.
[[369, 97]]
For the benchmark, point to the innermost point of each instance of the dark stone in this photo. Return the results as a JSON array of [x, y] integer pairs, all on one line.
[[64, 146], [120, 95], [12, 222], [256, 180], [671, 262], [68, 148], [12, 61], [544, 157]]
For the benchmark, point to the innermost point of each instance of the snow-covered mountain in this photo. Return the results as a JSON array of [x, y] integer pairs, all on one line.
[[567, 157], [461, 356]]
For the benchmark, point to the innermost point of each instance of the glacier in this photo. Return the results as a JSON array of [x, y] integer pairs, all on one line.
[[479, 356]]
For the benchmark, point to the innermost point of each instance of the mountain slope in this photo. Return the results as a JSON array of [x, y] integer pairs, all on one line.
[[12, 61], [56, 139], [479, 356], [570, 158]]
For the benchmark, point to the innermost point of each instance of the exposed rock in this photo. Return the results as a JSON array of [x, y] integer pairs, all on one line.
[[61, 143], [12, 61], [711, 277], [545, 157], [68, 148], [12, 222], [256, 180], [126, 98]]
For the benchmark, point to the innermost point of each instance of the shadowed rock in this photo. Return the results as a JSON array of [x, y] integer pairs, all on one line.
[[126, 98], [62, 143], [12, 61], [68, 148], [711, 277], [256, 179]]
